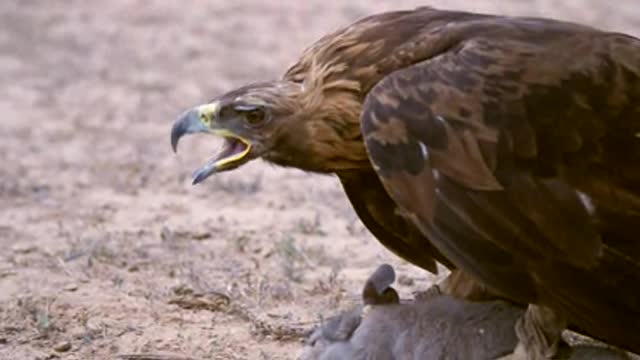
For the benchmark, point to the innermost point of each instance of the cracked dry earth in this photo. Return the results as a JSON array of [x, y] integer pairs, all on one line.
[[106, 250]]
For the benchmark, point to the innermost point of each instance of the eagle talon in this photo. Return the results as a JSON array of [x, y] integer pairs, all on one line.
[[539, 332]]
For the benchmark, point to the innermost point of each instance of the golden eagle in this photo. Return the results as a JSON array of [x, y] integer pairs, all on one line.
[[507, 147]]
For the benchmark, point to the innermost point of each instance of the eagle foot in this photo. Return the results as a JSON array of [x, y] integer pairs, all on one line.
[[460, 285], [539, 333]]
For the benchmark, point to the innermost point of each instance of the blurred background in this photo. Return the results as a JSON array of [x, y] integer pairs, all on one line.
[[105, 247]]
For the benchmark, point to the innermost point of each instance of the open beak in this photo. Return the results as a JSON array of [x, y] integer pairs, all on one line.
[[235, 151]]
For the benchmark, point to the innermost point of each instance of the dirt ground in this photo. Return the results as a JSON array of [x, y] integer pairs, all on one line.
[[106, 248]]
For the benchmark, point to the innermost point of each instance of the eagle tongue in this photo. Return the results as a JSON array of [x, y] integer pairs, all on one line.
[[230, 147]]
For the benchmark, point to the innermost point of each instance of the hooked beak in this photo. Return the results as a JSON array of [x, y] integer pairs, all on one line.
[[188, 123], [235, 151]]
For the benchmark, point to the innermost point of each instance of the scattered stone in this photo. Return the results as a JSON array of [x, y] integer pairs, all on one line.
[[6, 273], [166, 234], [41, 355], [70, 287], [23, 248], [63, 346], [201, 235]]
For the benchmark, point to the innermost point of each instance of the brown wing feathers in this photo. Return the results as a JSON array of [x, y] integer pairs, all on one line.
[[380, 215], [511, 143]]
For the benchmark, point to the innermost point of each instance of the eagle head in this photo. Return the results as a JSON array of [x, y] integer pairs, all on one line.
[[283, 122]]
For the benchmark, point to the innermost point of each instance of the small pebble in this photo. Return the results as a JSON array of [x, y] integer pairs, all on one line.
[[23, 248], [62, 346], [71, 287]]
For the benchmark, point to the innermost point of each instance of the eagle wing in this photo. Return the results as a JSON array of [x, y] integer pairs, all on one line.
[[515, 152], [378, 213]]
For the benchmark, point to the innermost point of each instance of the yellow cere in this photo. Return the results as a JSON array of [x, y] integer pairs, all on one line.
[[206, 112]]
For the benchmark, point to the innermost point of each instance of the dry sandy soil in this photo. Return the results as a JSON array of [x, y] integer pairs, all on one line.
[[106, 249]]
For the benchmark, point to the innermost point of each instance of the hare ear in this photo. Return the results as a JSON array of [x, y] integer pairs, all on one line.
[[377, 290]]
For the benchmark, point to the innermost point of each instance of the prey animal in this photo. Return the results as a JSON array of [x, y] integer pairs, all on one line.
[[436, 327]]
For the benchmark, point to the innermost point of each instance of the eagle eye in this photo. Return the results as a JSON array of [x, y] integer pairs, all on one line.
[[252, 115]]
